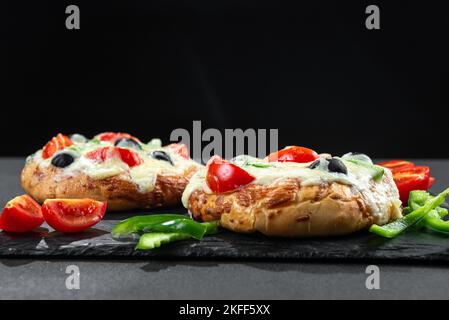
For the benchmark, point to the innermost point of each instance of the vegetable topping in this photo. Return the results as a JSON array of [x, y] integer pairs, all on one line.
[[336, 165], [128, 143], [223, 176], [293, 154], [127, 156], [55, 144], [114, 136], [62, 160], [161, 155], [179, 148]]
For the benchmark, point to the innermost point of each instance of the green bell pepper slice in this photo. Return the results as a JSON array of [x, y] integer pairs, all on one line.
[[195, 229], [434, 222], [138, 223], [211, 227], [155, 239], [417, 199]]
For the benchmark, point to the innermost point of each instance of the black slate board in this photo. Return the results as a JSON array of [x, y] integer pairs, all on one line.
[[97, 242]]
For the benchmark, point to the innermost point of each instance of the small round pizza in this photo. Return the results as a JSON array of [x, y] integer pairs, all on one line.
[[113, 167], [294, 193]]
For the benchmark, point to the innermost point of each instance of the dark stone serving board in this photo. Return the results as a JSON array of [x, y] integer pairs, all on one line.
[[97, 242]]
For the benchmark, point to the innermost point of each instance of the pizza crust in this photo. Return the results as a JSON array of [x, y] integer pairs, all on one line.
[[119, 192], [287, 209]]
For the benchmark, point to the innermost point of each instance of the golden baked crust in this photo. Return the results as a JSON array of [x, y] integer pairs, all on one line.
[[121, 194], [285, 208]]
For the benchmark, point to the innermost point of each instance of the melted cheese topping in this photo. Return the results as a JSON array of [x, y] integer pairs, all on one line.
[[143, 176], [379, 196]]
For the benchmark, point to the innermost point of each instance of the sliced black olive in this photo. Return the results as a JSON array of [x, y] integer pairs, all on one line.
[[62, 160], [318, 162], [128, 143], [314, 164], [336, 165], [162, 155]]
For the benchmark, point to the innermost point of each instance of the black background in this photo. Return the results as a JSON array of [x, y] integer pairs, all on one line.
[[310, 69]]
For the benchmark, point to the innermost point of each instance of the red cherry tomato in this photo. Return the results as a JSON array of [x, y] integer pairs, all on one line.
[[114, 136], [100, 154], [73, 215], [179, 148], [293, 154], [395, 165], [416, 178], [127, 156], [21, 214], [223, 176], [55, 144]]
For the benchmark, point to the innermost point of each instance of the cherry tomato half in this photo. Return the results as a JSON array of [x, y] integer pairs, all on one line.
[[21, 214], [223, 176], [127, 156], [395, 165], [293, 154], [416, 178], [55, 144], [73, 215], [179, 148], [114, 136]]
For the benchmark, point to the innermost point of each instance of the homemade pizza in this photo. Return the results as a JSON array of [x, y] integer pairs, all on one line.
[[113, 167], [294, 193]]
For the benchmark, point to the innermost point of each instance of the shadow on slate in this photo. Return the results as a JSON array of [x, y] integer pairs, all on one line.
[[98, 242]]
